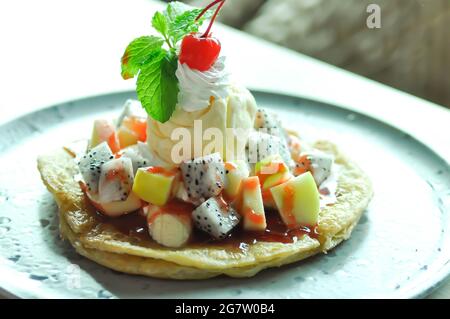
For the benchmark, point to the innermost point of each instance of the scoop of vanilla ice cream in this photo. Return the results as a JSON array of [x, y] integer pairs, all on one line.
[[235, 111]]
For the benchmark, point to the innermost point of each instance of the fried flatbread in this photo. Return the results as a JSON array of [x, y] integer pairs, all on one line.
[[106, 245]]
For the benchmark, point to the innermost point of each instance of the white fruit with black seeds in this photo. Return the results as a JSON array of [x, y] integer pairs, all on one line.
[[140, 156], [116, 180], [269, 123], [261, 145], [203, 177], [137, 160], [91, 163], [321, 165], [317, 162], [215, 218], [179, 191]]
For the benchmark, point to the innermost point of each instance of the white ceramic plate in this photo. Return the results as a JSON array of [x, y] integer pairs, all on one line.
[[401, 247]]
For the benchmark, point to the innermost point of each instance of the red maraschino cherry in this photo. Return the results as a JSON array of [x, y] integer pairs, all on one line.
[[200, 52]]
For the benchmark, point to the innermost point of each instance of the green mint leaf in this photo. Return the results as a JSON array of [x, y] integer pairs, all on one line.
[[181, 20], [157, 86], [137, 53], [174, 9], [184, 24], [160, 23]]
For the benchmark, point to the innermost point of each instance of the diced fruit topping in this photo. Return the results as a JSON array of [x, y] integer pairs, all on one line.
[[215, 217], [261, 145], [272, 171], [252, 205], [154, 184], [132, 130], [298, 201], [131, 108], [126, 137], [297, 146], [235, 172], [170, 225], [104, 131], [316, 162], [91, 163], [116, 208], [116, 180], [140, 156], [270, 123], [179, 191], [203, 177], [137, 125], [302, 164], [137, 159]]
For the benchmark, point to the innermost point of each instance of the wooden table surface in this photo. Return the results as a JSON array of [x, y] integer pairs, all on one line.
[[54, 51]]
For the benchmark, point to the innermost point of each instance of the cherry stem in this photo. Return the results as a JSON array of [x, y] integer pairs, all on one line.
[[209, 6], [206, 34], [222, 2]]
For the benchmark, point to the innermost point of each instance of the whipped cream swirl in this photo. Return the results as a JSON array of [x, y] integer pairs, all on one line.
[[196, 87]]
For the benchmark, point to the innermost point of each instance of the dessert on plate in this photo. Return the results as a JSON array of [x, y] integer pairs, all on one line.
[[192, 180]]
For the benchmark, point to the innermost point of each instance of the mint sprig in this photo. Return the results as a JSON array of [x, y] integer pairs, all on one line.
[[138, 52], [185, 24], [157, 85], [160, 24], [153, 59]]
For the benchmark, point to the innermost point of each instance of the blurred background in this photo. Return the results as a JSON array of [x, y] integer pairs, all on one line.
[[411, 51]]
